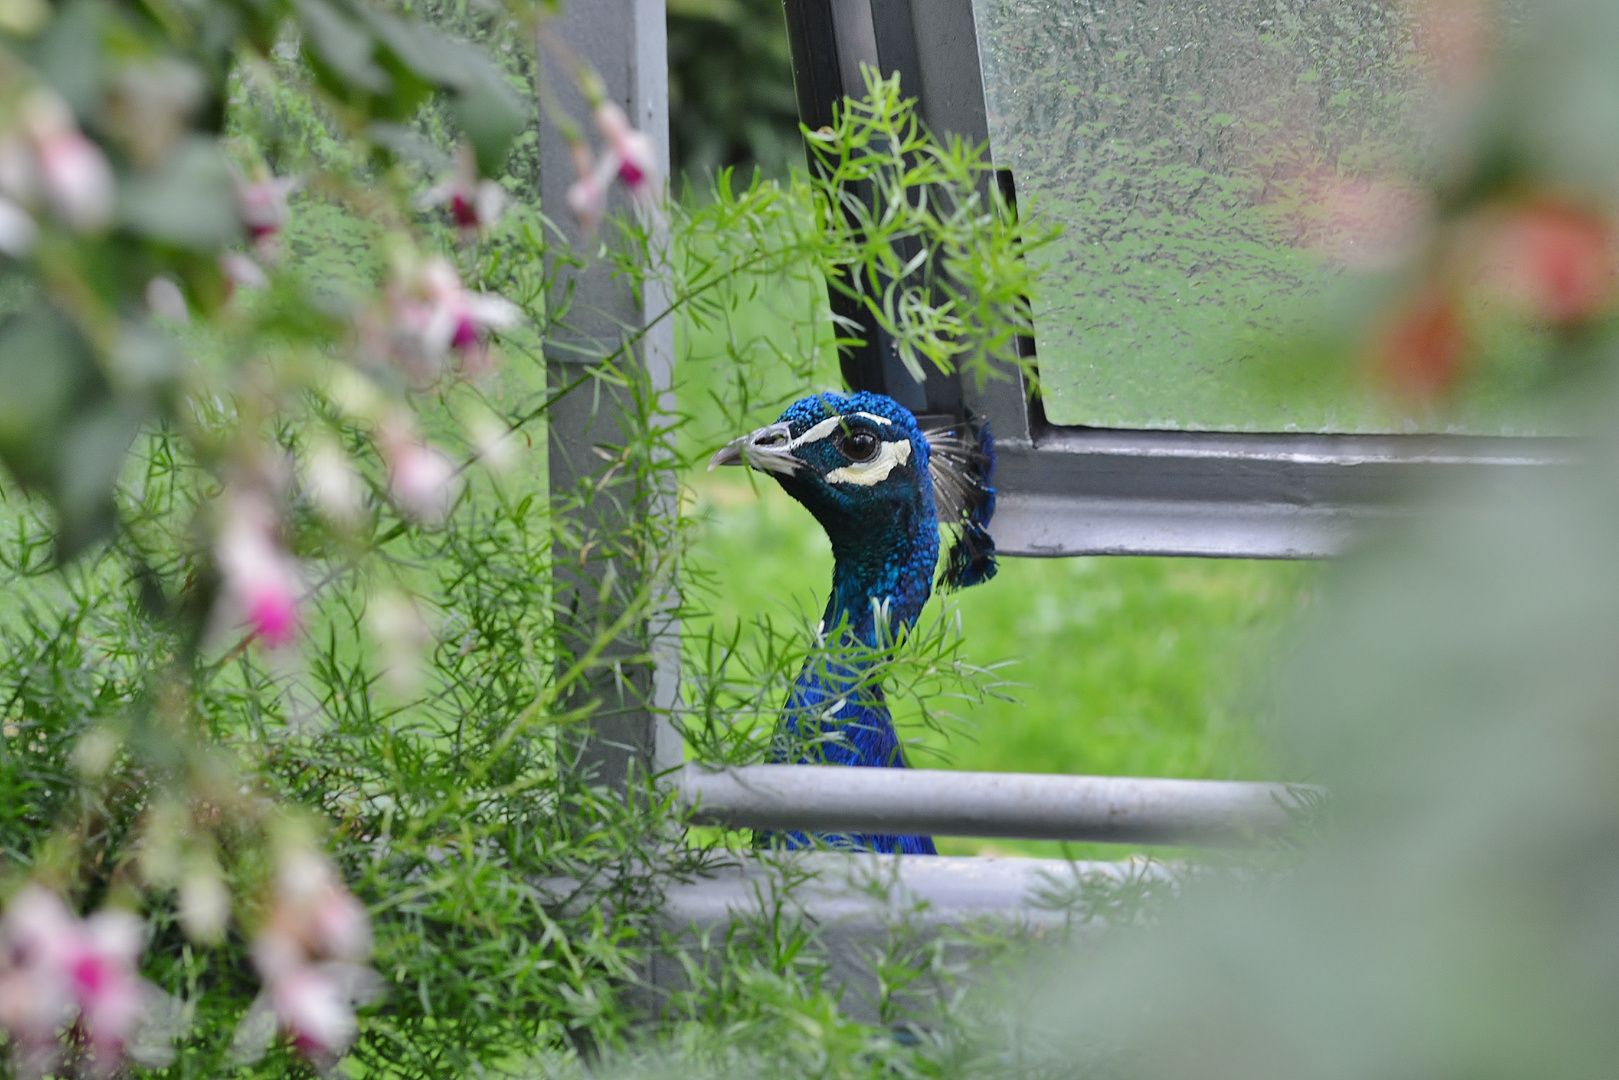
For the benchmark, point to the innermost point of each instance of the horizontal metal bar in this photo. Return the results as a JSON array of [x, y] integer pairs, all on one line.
[[1028, 806], [1045, 526], [858, 904], [1078, 491]]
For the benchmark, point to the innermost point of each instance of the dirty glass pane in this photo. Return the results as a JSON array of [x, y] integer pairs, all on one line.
[[1216, 166]]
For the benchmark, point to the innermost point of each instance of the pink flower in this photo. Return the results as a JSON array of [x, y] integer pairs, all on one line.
[[60, 165], [1557, 258], [422, 479], [633, 150], [1420, 352], [313, 1003], [473, 203], [314, 909], [587, 196], [314, 1011], [56, 965], [262, 583], [434, 315], [261, 204], [242, 272], [308, 957], [104, 982], [36, 998], [630, 157]]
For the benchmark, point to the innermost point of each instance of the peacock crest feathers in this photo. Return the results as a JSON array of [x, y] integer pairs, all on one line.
[[962, 467]]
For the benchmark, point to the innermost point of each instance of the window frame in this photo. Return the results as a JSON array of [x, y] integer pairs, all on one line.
[[1067, 490]]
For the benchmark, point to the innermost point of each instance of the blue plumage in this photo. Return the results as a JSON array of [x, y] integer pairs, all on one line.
[[878, 485]]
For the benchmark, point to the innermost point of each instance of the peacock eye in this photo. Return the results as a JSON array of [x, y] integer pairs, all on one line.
[[859, 445]]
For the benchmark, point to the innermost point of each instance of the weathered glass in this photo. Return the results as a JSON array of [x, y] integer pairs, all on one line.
[[1217, 167]]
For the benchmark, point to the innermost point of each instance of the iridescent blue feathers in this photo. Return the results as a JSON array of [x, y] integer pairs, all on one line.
[[882, 489]]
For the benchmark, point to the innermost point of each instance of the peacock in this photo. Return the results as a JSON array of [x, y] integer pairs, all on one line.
[[880, 486]]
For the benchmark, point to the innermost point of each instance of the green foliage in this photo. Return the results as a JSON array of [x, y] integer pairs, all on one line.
[[512, 896], [920, 236]]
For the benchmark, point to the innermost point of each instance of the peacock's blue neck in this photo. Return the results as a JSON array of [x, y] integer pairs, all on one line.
[[880, 583], [882, 575]]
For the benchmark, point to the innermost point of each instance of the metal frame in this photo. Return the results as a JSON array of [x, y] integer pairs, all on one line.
[[630, 734], [1094, 491], [1024, 806], [861, 905]]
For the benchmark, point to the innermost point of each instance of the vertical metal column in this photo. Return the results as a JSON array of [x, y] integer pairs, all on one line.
[[932, 45], [613, 509]]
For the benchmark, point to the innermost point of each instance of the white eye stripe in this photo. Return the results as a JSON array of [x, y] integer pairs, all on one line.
[[816, 433], [868, 473], [828, 426]]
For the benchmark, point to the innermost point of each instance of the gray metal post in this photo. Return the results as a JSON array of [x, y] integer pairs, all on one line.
[[612, 509]]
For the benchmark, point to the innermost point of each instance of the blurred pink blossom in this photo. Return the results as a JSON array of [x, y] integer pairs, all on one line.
[[1557, 258], [422, 479], [56, 965], [262, 583], [36, 998], [587, 196], [261, 203], [630, 157], [105, 984], [435, 315], [473, 203], [242, 272], [633, 150], [1420, 351], [50, 159], [313, 908], [309, 957], [314, 1011]]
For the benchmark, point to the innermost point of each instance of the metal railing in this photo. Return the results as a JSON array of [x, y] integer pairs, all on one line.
[[1024, 806]]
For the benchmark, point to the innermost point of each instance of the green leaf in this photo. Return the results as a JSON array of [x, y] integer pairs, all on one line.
[[62, 432], [487, 109], [92, 454], [492, 117], [434, 57], [68, 54], [190, 202], [47, 368], [344, 49], [407, 145]]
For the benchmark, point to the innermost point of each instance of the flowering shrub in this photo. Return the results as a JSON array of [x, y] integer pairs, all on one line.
[[202, 415], [286, 697]]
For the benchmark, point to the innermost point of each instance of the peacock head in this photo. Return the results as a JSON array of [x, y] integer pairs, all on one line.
[[872, 477]]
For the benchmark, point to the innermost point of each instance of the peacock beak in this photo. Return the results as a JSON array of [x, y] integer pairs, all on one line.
[[769, 449]]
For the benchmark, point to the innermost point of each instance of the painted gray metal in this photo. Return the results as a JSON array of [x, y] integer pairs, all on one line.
[[596, 314], [1067, 491], [1106, 809], [857, 904]]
